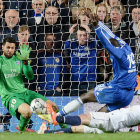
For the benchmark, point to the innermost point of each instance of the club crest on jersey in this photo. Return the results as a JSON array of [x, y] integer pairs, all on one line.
[[18, 62], [57, 60], [86, 48]]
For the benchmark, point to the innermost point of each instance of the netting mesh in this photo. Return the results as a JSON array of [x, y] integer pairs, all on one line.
[[66, 62]]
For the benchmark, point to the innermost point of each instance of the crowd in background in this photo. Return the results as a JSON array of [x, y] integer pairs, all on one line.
[[67, 57]]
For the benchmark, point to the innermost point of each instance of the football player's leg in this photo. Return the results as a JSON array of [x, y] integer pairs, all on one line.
[[85, 129], [125, 117], [24, 110], [19, 109], [94, 119], [75, 129], [77, 103]]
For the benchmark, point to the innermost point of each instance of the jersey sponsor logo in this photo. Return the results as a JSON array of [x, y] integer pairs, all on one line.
[[18, 62], [51, 66], [81, 54], [11, 75]]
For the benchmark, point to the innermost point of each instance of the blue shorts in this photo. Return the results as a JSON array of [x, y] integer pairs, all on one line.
[[113, 97]]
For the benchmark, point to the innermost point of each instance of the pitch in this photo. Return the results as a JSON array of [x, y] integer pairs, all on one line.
[[35, 136]]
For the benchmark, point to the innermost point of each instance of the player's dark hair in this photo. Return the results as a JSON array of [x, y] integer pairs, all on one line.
[[114, 42], [9, 39]]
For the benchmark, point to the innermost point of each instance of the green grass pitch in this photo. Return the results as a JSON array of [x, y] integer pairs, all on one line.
[[35, 136]]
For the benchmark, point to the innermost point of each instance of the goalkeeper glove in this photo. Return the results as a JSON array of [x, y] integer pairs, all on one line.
[[24, 52]]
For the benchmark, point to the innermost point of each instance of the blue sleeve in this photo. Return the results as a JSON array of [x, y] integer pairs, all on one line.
[[104, 34]]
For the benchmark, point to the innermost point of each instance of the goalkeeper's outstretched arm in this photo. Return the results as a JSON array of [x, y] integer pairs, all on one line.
[[24, 56]]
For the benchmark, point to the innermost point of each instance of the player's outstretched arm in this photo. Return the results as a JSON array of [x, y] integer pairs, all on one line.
[[105, 34], [24, 56]]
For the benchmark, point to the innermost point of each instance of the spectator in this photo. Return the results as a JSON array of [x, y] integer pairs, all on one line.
[[36, 20], [131, 4], [53, 24], [11, 25], [134, 27], [84, 21], [101, 12], [75, 2], [82, 53], [117, 25], [50, 67], [78, 5], [19, 5], [135, 19], [24, 38], [75, 12], [65, 12], [111, 3], [2, 12], [137, 46], [87, 4]]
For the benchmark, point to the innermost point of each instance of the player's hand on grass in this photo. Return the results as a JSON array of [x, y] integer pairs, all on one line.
[[24, 52], [54, 106]]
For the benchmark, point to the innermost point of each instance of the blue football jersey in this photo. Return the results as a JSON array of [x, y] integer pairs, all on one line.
[[123, 62], [50, 68], [83, 60]]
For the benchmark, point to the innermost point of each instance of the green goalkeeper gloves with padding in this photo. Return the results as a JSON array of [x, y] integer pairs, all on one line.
[[24, 52]]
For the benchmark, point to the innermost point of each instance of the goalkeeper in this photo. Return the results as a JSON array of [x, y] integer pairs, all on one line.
[[15, 97]]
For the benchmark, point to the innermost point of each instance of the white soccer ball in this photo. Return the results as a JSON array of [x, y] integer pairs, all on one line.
[[38, 106]]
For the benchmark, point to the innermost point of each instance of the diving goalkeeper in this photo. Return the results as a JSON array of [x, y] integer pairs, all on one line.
[[15, 97]]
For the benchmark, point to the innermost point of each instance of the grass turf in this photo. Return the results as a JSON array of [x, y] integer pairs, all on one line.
[[35, 136]]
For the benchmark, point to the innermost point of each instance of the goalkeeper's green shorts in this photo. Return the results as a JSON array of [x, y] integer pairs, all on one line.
[[14, 101]]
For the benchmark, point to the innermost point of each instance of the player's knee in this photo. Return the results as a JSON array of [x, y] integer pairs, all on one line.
[[85, 119], [24, 110], [27, 114]]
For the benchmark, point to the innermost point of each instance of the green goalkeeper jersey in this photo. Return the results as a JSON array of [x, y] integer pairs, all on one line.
[[11, 80]]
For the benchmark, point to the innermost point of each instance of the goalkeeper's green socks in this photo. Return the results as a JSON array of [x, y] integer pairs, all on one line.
[[23, 123], [62, 125]]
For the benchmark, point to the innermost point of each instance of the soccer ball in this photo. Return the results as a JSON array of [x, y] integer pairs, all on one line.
[[38, 106]]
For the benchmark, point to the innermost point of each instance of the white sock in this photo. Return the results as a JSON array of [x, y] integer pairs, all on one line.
[[92, 130], [70, 107]]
